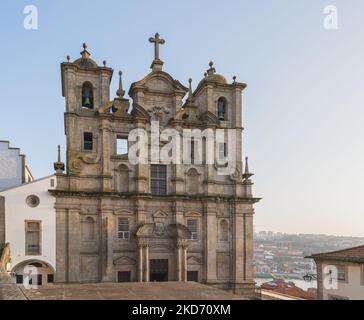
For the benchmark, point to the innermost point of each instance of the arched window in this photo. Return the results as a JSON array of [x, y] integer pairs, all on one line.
[[221, 109], [192, 181], [224, 231], [87, 95], [88, 229], [123, 178]]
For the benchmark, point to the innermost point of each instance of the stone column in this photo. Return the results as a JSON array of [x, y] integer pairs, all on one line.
[[184, 263], [179, 262], [140, 263], [146, 263]]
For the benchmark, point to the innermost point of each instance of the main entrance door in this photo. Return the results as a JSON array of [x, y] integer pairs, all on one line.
[[158, 270]]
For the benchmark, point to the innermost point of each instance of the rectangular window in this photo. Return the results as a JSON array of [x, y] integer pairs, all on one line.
[[362, 274], [123, 229], [87, 141], [19, 279], [50, 278], [341, 273], [158, 179], [192, 225], [122, 146], [32, 238], [52, 183]]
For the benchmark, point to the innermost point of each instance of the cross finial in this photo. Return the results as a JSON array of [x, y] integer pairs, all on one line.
[[59, 165], [157, 63]]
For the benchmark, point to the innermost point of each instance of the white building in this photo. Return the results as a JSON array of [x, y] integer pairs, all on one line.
[[13, 168], [30, 226], [340, 274]]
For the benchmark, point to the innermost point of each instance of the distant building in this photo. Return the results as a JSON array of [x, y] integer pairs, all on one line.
[[30, 230], [13, 168], [289, 289], [344, 266]]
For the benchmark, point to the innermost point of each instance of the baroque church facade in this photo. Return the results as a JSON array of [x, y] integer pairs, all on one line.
[[145, 222]]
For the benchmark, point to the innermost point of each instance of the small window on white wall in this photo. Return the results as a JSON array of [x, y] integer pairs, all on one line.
[[123, 229]]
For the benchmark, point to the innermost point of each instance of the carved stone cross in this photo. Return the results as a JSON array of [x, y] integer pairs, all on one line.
[[157, 41]]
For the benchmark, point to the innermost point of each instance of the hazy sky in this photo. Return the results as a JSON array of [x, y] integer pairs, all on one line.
[[303, 108]]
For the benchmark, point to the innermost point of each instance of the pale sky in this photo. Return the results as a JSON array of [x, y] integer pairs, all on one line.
[[303, 108]]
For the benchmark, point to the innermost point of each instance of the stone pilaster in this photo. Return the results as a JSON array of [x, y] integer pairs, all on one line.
[[210, 242], [61, 275], [73, 245]]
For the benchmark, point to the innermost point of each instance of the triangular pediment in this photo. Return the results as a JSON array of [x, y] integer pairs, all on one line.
[[160, 214], [124, 260], [209, 118], [139, 112], [193, 260]]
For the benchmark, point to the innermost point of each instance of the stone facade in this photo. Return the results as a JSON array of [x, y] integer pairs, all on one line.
[[100, 189]]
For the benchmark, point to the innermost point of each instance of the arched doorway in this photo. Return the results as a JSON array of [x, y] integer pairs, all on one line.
[[35, 272]]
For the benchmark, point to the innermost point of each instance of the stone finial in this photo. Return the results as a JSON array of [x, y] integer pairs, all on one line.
[[59, 165], [190, 89], [212, 70], [120, 93], [68, 58], [234, 79], [85, 54], [247, 174], [205, 74], [104, 63]]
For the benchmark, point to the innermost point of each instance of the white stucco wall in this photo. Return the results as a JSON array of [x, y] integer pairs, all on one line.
[[17, 212], [352, 289]]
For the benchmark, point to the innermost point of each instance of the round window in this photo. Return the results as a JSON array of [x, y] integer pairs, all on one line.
[[32, 201]]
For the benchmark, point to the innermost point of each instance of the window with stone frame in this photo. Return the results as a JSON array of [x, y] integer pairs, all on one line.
[[87, 95], [192, 182], [192, 225], [88, 141], [158, 179], [122, 146], [221, 109], [32, 238], [123, 229]]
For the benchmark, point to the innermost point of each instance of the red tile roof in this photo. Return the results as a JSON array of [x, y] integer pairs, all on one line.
[[355, 254], [289, 288]]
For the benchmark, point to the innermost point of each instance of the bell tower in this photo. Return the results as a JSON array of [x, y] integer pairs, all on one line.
[[85, 85], [86, 88]]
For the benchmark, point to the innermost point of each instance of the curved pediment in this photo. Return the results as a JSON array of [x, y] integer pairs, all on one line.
[[158, 81]]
